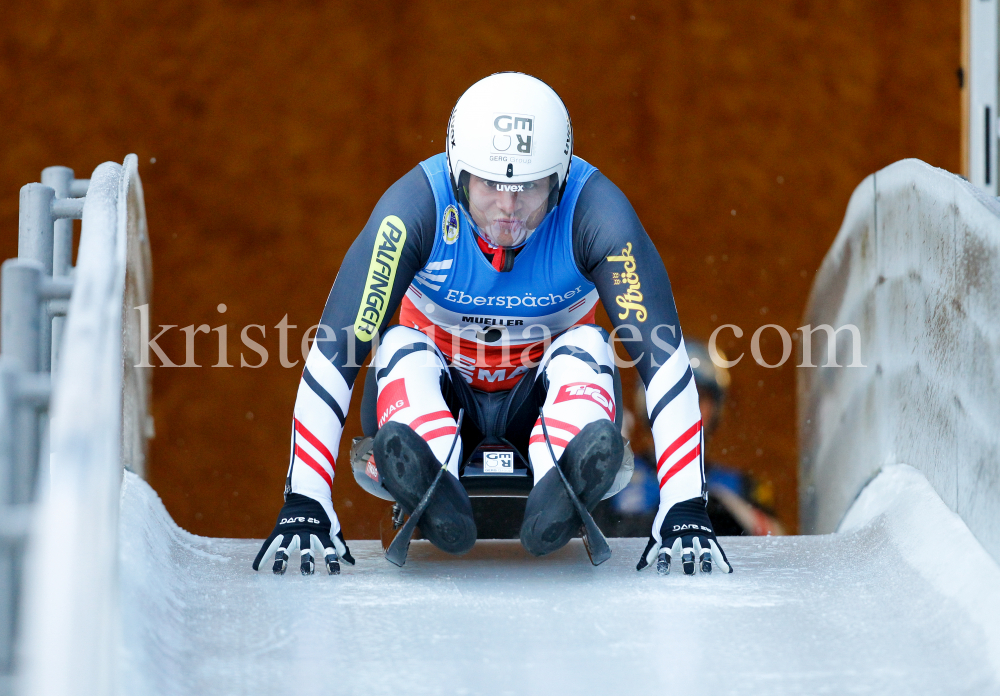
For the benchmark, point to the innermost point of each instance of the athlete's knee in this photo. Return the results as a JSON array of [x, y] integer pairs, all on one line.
[[400, 342], [409, 371], [401, 332], [398, 337], [584, 345], [589, 337], [578, 377], [588, 330]]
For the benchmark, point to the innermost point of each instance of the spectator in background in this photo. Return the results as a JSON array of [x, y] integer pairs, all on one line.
[[737, 503]]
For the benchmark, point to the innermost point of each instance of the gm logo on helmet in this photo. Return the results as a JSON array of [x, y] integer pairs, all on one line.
[[512, 133]]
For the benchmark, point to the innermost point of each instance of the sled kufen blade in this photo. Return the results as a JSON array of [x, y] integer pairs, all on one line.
[[594, 540]]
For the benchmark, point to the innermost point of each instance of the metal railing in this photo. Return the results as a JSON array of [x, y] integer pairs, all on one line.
[[34, 293], [60, 474]]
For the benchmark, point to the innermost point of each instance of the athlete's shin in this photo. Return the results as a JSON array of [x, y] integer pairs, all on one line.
[[409, 369], [416, 431], [577, 372], [590, 463], [579, 415], [408, 470]]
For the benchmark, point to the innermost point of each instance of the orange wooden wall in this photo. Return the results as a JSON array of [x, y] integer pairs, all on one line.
[[738, 130]]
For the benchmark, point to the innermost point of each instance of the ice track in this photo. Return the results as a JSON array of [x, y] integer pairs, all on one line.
[[902, 601]]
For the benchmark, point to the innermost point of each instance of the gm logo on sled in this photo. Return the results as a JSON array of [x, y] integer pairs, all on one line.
[[512, 133], [498, 462]]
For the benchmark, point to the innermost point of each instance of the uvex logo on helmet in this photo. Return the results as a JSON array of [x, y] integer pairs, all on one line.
[[510, 188], [513, 133]]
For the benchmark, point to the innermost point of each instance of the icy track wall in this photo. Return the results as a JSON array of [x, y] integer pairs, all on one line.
[[916, 267], [98, 425]]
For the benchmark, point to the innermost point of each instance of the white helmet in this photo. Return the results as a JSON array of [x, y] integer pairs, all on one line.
[[511, 134]]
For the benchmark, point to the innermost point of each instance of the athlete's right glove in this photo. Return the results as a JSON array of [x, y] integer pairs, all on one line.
[[304, 525], [686, 533]]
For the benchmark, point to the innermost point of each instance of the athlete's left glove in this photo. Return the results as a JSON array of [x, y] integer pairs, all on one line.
[[686, 533], [304, 525]]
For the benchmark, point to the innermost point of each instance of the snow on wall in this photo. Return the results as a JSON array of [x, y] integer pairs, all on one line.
[[916, 267], [907, 511]]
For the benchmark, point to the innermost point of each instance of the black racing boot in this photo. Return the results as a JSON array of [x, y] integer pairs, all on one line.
[[591, 462], [408, 467]]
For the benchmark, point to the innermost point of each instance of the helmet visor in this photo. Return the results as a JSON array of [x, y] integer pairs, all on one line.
[[505, 213]]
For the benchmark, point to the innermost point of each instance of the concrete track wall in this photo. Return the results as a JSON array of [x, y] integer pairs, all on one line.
[[916, 267]]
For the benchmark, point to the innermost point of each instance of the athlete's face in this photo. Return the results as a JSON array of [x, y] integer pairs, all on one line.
[[508, 213]]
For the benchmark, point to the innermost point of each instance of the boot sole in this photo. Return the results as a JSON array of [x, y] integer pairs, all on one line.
[[590, 462], [408, 467]]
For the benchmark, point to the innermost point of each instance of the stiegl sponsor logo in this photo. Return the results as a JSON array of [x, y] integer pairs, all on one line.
[[631, 300]]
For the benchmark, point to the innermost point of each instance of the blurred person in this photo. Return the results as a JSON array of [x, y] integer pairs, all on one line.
[[496, 253], [738, 504]]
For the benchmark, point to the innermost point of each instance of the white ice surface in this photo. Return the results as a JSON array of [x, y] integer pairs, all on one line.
[[906, 602]]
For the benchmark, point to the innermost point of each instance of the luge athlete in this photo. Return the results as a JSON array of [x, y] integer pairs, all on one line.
[[498, 251]]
